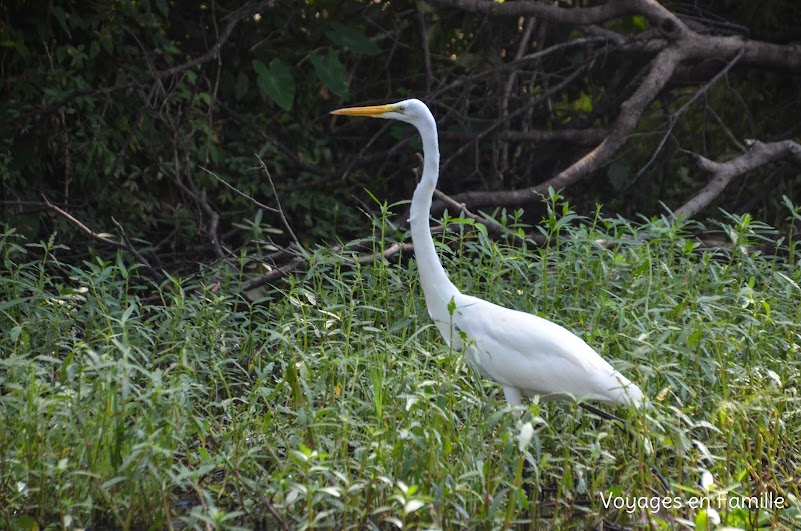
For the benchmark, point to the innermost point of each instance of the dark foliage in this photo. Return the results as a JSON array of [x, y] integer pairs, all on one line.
[[117, 109]]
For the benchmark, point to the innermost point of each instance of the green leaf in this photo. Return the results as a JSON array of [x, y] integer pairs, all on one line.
[[331, 72], [583, 103], [351, 38], [694, 337], [163, 8], [106, 40], [424, 8], [412, 505], [24, 523], [276, 82], [639, 22], [61, 16], [619, 175], [241, 86]]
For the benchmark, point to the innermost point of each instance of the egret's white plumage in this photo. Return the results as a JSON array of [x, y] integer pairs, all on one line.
[[526, 354]]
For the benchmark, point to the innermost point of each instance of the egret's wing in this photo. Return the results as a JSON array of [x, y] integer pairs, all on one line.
[[532, 354]]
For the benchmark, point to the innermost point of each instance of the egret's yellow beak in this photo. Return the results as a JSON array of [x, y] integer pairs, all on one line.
[[374, 110]]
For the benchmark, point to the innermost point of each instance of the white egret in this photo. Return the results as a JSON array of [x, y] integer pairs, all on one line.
[[526, 354]]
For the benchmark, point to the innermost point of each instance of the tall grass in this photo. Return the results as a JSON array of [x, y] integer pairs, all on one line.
[[332, 402]]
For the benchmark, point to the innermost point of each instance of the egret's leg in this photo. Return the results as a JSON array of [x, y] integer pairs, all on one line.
[[512, 396], [601, 413]]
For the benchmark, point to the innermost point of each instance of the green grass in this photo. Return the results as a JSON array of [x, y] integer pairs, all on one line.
[[332, 402]]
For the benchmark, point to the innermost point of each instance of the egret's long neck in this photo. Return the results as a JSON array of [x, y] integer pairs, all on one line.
[[436, 286]]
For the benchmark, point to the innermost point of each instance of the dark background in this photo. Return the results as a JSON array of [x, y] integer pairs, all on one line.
[[112, 113]]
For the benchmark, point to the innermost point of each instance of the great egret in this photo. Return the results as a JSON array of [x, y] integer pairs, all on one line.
[[526, 354]]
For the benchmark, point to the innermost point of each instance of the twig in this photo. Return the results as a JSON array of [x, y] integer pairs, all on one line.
[[214, 92], [512, 65], [273, 512], [127, 246], [301, 262], [244, 120], [583, 137], [81, 226], [240, 192], [660, 72], [271, 276], [67, 158], [200, 198], [389, 252], [421, 17], [674, 117], [534, 102], [214, 225], [278, 202], [131, 249], [726, 130], [360, 157], [507, 94], [290, 251], [493, 227], [630, 112]]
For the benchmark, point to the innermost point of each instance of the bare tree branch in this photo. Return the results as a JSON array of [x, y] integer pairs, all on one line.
[[674, 44], [723, 172], [630, 112], [581, 137], [127, 246], [755, 53], [575, 16], [671, 26], [542, 97]]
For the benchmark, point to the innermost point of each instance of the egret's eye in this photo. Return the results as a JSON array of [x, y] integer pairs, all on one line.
[[401, 108]]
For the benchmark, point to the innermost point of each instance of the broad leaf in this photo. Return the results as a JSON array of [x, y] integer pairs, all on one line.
[[276, 82], [351, 38], [619, 175], [331, 72]]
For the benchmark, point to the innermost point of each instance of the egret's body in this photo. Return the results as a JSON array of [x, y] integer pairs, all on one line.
[[526, 354]]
